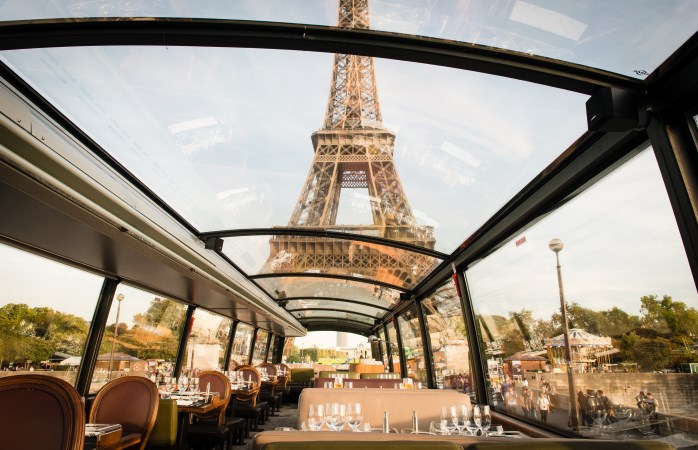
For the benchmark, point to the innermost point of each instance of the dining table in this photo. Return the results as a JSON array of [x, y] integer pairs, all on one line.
[[186, 410], [126, 440]]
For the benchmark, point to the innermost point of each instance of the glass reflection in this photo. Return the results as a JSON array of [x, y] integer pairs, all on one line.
[[45, 313], [412, 348], [393, 351], [141, 337], [631, 304], [259, 354], [242, 343], [207, 343], [449, 342]]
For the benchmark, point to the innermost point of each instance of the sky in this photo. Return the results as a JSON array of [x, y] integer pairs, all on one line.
[[223, 135]]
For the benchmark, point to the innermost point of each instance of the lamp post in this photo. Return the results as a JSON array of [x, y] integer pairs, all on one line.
[[556, 246], [119, 299]]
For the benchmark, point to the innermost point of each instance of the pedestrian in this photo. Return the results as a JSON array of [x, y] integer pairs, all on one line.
[[529, 404], [583, 401], [543, 404], [651, 407]]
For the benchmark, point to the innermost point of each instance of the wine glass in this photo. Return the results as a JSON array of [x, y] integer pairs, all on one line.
[[477, 417], [438, 427], [316, 417], [354, 416], [452, 419], [486, 420], [470, 426], [462, 419]]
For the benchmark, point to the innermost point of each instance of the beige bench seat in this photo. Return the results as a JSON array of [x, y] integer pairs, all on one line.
[[399, 403]]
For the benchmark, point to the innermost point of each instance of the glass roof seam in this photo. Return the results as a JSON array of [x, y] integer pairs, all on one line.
[[329, 276]]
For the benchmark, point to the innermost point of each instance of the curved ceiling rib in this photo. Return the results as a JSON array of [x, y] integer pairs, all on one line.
[[344, 300], [326, 309], [234, 33], [298, 231]]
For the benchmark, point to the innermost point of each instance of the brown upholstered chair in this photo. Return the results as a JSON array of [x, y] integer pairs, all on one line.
[[212, 429], [246, 404], [39, 411], [131, 401], [268, 392]]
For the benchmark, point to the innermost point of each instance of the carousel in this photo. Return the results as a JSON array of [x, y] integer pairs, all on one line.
[[586, 350]]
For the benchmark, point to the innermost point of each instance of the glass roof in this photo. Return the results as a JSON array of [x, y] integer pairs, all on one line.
[[376, 313], [312, 254], [322, 287], [251, 141], [623, 36]]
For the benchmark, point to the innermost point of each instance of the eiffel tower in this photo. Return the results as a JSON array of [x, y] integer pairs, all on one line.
[[353, 150]]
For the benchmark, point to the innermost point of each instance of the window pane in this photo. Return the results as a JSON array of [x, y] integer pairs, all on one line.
[[274, 346], [288, 346], [631, 303], [141, 337], [395, 354], [449, 342], [241, 345], [260, 347], [45, 313], [384, 346], [207, 342], [408, 322]]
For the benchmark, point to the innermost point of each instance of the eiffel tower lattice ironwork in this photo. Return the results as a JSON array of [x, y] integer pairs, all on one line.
[[354, 150]]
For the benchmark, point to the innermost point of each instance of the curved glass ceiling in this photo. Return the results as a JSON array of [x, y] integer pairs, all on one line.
[[224, 135], [255, 140], [623, 36], [283, 287], [293, 305], [258, 255]]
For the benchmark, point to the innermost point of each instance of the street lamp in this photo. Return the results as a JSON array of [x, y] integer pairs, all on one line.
[[556, 246], [119, 298]]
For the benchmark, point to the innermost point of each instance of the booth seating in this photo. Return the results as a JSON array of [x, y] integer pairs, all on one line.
[[291, 440], [337, 373], [362, 383], [399, 403], [363, 445], [302, 376], [373, 376]]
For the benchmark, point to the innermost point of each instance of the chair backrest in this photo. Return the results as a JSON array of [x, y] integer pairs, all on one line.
[[219, 383], [271, 368], [250, 372], [131, 401], [39, 411]]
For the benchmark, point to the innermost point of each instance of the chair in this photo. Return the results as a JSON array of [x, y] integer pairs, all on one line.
[[270, 392], [210, 429], [130, 401], [245, 403], [39, 411]]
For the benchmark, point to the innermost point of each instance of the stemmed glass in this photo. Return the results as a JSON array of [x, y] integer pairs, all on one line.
[[477, 417], [462, 419], [452, 422], [486, 420], [354, 416], [470, 426], [316, 417], [337, 417]]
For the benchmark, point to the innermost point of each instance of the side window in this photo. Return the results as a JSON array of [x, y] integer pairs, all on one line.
[[45, 313], [141, 337], [614, 258], [207, 343], [242, 343]]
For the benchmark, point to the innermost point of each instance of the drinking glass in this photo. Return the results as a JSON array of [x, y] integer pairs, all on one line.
[[438, 427], [316, 417], [354, 415], [470, 426], [452, 419], [486, 420], [477, 417], [462, 419], [337, 417]]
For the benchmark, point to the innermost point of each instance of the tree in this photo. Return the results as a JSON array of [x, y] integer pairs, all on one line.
[[667, 316]]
